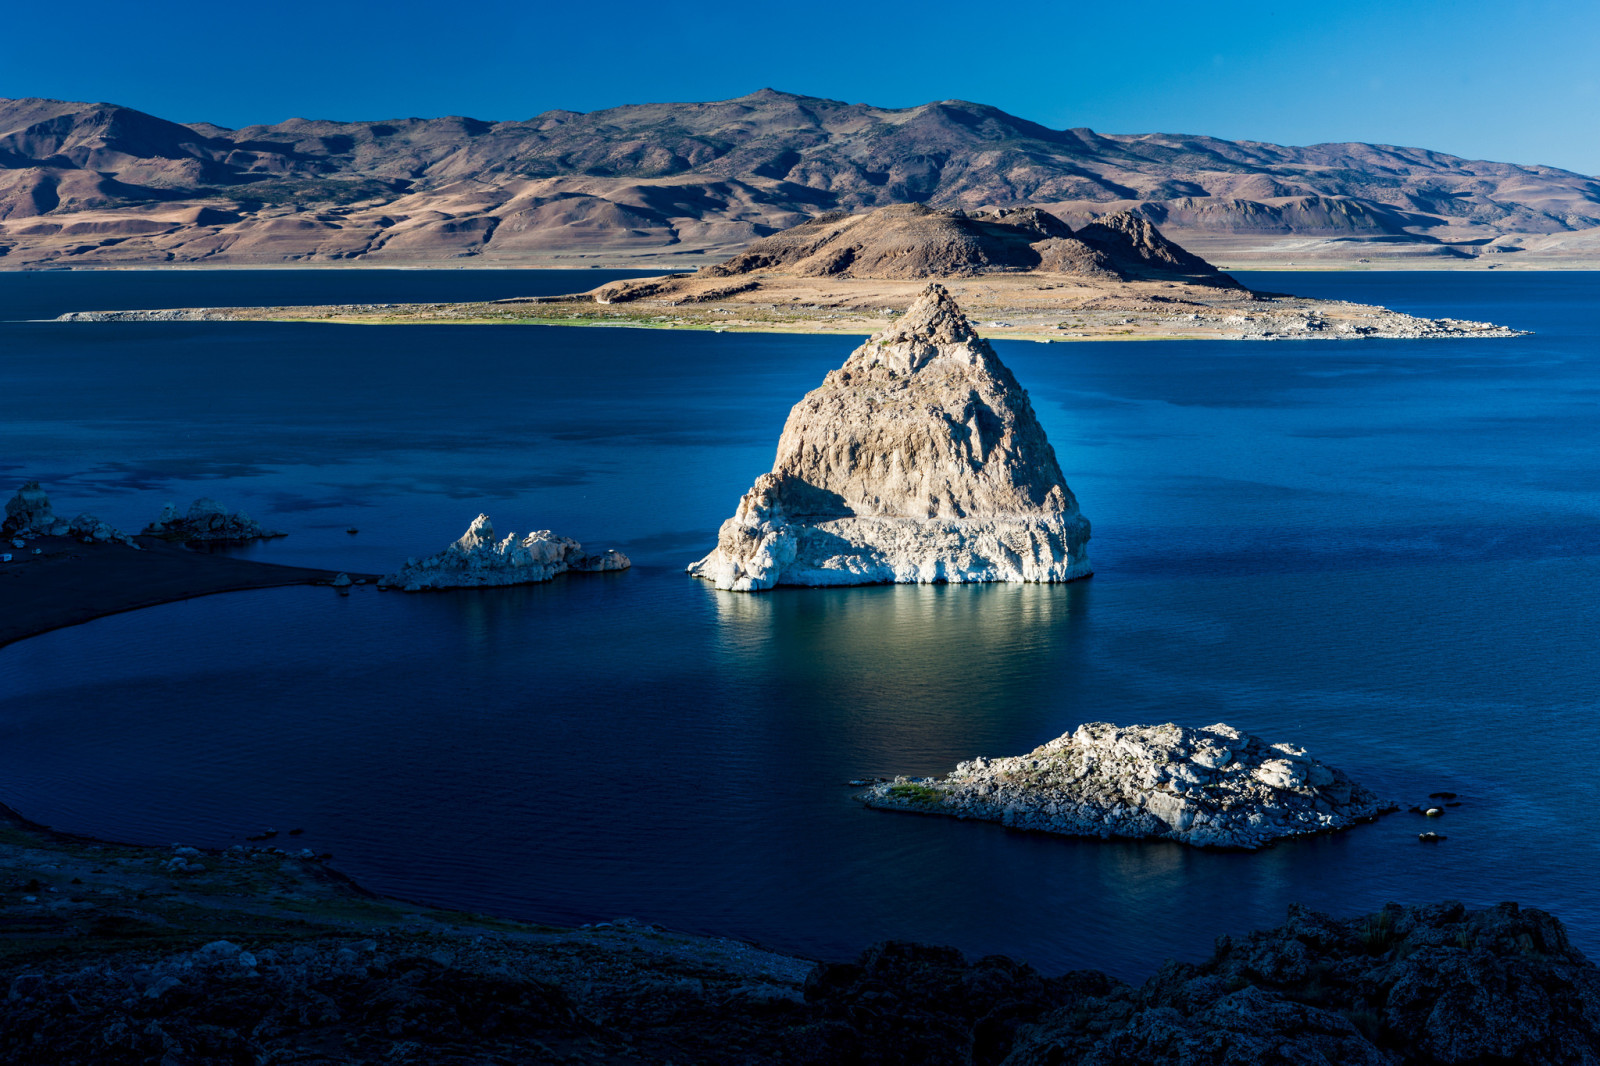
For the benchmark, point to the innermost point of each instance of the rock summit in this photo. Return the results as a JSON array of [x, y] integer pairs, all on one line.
[[919, 460]]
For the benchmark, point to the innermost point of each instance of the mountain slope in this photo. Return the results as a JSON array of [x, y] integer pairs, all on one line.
[[88, 183]]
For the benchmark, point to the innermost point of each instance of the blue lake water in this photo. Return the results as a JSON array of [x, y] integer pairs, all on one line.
[[1388, 552]]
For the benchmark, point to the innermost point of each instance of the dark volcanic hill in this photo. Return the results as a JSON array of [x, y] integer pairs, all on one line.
[[87, 183], [915, 241]]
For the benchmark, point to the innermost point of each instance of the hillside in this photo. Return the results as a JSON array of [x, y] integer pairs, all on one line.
[[102, 184]]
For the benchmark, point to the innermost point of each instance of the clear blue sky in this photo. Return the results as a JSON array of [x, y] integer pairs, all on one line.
[[1506, 80]]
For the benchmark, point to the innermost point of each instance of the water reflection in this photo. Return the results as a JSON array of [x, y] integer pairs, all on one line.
[[914, 676]]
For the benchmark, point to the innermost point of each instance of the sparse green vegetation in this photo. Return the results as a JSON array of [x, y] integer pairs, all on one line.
[[914, 793]]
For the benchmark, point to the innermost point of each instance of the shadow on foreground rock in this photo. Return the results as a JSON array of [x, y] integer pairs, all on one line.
[[1430, 985]]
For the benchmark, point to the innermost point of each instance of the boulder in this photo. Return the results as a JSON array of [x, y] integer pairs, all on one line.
[[1211, 787], [477, 560], [919, 460]]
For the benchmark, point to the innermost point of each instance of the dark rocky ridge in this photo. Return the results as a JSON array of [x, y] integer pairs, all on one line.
[[86, 183], [916, 241]]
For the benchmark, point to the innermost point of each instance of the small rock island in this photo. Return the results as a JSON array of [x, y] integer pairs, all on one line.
[[207, 521], [477, 560], [919, 460], [1210, 787]]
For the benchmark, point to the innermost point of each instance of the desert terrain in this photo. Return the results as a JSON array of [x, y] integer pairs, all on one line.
[[674, 186]]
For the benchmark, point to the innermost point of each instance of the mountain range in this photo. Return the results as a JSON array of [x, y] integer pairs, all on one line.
[[686, 183]]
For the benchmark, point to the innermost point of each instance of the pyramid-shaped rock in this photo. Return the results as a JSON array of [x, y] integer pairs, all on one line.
[[919, 460]]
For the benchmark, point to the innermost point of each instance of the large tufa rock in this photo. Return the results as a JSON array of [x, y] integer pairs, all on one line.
[[476, 560], [1211, 787], [207, 520], [919, 460], [29, 513]]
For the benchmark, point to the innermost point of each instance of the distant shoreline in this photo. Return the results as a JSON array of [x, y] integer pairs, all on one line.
[[1408, 266]]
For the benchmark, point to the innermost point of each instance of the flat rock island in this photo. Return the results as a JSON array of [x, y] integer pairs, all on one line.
[[919, 460], [1210, 787]]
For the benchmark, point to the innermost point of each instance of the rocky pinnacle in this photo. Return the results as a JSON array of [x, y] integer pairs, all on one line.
[[918, 460]]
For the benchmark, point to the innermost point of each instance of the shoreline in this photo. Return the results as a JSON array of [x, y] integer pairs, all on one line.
[[73, 583], [652, 266], [128, 953], [1037, 307]]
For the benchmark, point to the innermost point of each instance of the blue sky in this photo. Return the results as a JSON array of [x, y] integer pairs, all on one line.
[[1509, 81]]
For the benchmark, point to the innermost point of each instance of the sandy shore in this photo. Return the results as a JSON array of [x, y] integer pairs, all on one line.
[[70, 582]]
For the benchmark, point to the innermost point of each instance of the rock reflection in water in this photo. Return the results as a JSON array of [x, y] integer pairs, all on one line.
[[924, 672]]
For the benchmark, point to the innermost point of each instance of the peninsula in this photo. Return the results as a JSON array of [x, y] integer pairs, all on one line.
[[1024, 274]]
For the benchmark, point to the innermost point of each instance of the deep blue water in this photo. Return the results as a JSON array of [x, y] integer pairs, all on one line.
[[1386, 551]]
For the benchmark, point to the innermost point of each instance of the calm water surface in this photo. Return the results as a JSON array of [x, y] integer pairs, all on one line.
[[1386, 551]]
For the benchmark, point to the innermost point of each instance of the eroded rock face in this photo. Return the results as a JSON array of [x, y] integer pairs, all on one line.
[[207, 520], [30, 514], [477, 560], [1432, 985], [29, 511], [1211, 787], [919, 460]]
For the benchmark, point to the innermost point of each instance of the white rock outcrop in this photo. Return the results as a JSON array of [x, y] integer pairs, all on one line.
[[477, 560], [1211, 787], [919, 460]]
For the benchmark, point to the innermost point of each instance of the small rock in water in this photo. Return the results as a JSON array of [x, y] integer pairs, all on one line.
[[1431, 838], [1211, 787], [1432, 812], [342, 581], [207, 520], [1441, 795], [477, 560]]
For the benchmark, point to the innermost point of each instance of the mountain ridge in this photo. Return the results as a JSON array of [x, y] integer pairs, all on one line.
[[708, 178]]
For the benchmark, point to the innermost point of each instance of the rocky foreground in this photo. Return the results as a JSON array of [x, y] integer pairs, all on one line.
[[1211, 787], [478, 560], [919, 460], [260, 953]]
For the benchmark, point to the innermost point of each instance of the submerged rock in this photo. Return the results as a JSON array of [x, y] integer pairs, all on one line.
[[207, 520], [476, 560], [919, 460], [1211, 787]]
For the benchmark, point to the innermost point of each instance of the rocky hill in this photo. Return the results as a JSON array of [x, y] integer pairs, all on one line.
[[916, 241], [99, 183]]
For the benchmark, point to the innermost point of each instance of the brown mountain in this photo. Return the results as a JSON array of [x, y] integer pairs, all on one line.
[[99, 183]]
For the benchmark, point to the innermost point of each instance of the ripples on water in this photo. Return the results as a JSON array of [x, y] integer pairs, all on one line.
[[1384, 551]]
